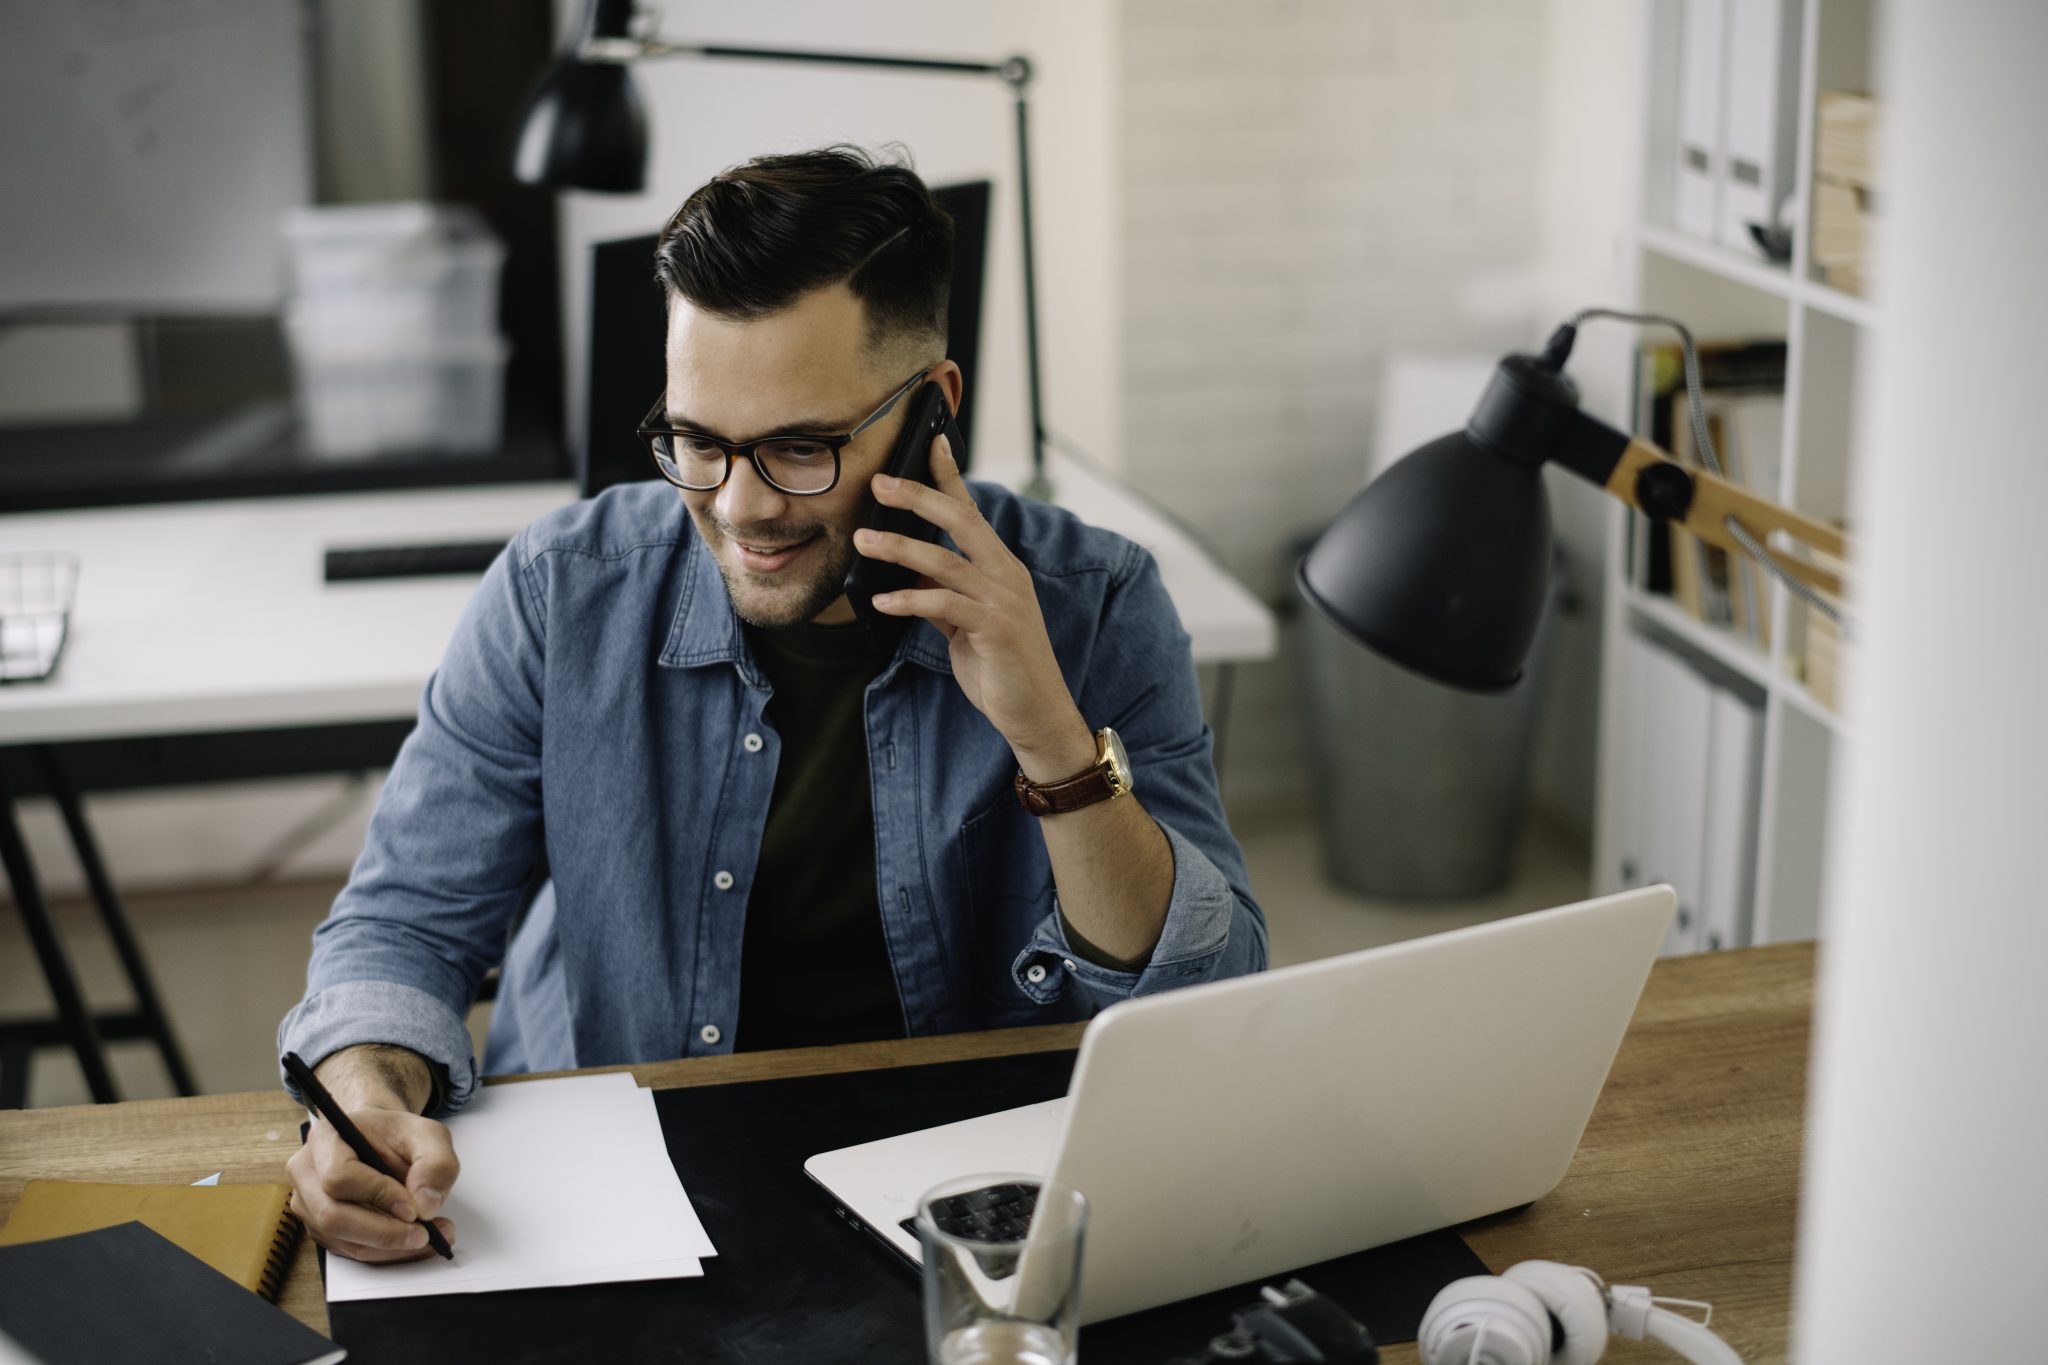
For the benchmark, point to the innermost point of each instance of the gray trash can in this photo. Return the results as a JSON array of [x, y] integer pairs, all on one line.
[[1419, 788]]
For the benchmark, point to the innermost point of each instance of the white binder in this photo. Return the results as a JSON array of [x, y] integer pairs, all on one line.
[[1681, 711], [1759, 124], [1729, 860], [1631, 706], [1696, 201]]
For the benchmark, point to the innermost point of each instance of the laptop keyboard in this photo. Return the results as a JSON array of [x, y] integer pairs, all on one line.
[[999, 1213]]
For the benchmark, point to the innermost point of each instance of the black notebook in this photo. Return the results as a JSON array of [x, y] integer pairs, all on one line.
[[124, 1293]]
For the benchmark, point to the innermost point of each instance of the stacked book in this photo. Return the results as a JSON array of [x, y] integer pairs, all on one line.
[[1824, 659], [1844, 187], [1743, 401]]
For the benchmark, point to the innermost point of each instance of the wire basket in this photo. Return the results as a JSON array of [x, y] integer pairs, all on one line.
[[35, 614]]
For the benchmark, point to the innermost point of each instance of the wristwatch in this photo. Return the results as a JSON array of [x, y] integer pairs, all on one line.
[[1108, 777]]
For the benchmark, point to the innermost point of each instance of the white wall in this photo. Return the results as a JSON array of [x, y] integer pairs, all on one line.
[[707, 115], [703, 117], [1243, 205], [1590, 152], [1926, 1181], [1312, 187]]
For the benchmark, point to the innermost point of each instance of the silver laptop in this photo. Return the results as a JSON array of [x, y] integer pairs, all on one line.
[[1235, 1130]]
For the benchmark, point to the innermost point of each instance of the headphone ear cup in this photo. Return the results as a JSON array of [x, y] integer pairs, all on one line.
[[1517, 1326], [1573, 1298]]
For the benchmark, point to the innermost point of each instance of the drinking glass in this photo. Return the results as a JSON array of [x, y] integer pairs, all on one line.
[[1002, 1270]]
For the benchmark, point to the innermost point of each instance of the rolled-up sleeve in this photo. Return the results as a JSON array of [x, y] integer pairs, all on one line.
[[1142, 684], [352, 1013], [451, 852]]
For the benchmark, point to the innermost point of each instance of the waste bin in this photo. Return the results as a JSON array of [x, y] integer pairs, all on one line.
[[1419, 788]]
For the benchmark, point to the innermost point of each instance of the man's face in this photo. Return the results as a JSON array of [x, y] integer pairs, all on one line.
[[806, 369]]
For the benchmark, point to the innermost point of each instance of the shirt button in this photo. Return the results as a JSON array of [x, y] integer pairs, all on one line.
[[710, 1034], [1035, 973], [1069, 963], [752, 744], [722, 880]]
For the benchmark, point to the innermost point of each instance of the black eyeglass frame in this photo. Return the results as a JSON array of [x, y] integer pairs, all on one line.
[[649, 429]]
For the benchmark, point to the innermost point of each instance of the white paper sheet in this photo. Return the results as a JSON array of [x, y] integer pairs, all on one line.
[[563, 1182]]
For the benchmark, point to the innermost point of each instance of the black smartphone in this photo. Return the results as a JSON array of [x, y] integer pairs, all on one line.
[[930, 414]]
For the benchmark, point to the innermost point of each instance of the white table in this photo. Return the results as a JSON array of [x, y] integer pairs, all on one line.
[[198, 618], [209, 616]]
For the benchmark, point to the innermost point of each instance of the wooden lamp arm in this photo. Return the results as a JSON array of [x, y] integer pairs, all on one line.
[[1529, 414], [1713, 500]]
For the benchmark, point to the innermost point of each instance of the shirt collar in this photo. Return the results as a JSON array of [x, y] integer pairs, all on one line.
[[706, 630]]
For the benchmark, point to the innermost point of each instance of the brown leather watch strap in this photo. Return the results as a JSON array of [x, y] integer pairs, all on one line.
[[1085, 788]]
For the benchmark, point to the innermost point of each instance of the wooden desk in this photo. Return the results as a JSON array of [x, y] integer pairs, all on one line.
[[1687, 1179]]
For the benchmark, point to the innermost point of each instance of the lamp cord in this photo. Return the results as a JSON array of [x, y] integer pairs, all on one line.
[[1703, 441]]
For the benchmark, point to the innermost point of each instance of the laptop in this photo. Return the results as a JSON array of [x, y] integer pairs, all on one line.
[[1234, 1130]]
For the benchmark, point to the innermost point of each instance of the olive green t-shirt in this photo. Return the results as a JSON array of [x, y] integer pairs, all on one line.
[[814, 966]]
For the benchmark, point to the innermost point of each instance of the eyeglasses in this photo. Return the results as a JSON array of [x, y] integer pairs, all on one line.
[[801, 465]]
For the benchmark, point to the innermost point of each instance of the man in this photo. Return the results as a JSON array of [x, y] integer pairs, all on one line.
[[757, 822]]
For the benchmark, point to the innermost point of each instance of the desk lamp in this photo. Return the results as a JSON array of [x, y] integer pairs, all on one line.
[[1440, 564], [585, 128]]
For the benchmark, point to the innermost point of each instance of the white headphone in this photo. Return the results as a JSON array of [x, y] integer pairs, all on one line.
[[1546, 1313]]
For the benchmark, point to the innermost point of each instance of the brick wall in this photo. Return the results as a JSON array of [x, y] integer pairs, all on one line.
[[1309, 185]]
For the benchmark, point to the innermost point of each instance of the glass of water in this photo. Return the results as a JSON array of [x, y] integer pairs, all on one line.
[[1002, 1270]]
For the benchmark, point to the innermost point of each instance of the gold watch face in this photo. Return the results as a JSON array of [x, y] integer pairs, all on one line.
[[1113, 753]]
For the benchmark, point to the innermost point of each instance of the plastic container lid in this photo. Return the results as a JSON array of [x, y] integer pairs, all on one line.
[[323, 348], [374, 224], [351, 246]]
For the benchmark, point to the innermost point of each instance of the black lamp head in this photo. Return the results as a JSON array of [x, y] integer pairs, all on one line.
[[584, 126], [1441, 564]]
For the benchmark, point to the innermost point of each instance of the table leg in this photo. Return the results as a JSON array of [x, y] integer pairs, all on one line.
[[16, 1057], [1219, 716], [76, 1019], [156, 1024]]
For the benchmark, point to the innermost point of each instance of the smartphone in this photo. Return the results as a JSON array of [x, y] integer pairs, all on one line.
[[930, 415]]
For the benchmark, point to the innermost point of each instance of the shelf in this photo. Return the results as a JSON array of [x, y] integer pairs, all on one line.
[[1832, 301], [1799, 699], [1738, 266], [1742, 268], [1724, 647]]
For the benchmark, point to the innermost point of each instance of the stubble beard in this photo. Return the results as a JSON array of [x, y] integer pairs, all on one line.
[[781, 599]]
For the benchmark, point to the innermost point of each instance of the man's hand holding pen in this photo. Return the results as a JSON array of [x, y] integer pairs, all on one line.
[[349, 1206]]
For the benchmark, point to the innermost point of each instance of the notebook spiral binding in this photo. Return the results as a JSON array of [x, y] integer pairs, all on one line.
[[278, 1263]]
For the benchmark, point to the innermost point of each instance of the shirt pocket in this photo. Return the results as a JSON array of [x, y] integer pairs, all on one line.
[[1010, 890]]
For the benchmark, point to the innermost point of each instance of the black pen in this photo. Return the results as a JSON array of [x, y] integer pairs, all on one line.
[[317, 1096]]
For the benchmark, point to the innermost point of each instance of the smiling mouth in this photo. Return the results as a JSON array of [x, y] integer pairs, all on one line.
[[770, 558]]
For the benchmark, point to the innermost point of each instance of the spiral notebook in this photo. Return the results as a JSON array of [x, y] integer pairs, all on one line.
[[124, 1293], [246, 1232]]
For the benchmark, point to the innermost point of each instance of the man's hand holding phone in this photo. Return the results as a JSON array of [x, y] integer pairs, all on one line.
[[349, 1208], [984, 602]]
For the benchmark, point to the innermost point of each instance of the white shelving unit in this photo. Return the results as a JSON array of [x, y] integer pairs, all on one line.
[[1723, 292]]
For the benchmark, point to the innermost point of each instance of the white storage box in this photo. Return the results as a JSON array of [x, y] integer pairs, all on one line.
[[377, 273], [355, 403]]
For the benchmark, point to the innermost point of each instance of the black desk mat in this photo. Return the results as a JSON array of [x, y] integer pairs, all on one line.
[[793, 1282]]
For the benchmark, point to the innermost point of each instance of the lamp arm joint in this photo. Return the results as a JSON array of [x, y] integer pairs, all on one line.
[[1589, 448]]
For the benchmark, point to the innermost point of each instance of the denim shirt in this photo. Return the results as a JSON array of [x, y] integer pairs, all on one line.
[[598, 707]]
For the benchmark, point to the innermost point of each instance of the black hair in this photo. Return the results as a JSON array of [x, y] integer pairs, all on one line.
[[756, 237]]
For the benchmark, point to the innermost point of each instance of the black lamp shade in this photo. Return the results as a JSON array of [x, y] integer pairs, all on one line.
[[1440, 564], [584, 128]]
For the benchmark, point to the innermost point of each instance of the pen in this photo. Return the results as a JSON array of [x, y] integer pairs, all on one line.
[[316, 1095]]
